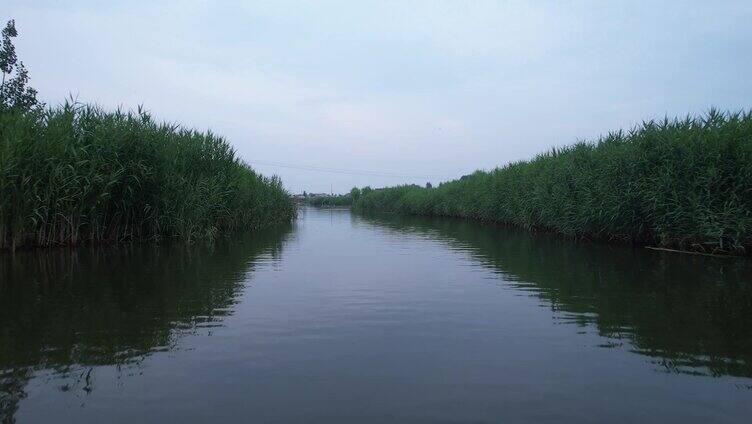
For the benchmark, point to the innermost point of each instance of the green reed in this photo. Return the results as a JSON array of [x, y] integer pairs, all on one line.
[[78, 174], [683, 184]]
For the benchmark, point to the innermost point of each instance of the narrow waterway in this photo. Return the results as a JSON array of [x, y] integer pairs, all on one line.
[[342, 318]]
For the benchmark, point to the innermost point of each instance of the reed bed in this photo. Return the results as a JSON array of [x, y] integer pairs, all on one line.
[[682, 183], [78, 174]]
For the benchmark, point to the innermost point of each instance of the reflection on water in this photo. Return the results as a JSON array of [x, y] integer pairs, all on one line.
[[344, 318], [68, 311], [691, 314]]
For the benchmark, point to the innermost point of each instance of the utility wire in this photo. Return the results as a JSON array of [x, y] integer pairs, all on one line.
[[344, 171]]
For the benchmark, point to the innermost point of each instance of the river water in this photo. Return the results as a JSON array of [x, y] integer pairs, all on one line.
[[342, 318]]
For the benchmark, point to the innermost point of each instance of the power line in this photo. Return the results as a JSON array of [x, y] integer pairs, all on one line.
[[344, 171]]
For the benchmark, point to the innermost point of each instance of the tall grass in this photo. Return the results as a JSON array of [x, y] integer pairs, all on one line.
[[78, 174], [674, 183]]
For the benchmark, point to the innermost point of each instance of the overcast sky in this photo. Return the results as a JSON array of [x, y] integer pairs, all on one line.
[[391, 92]]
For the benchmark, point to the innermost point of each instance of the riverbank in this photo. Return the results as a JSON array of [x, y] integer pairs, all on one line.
[[681, 184], [78, 174]]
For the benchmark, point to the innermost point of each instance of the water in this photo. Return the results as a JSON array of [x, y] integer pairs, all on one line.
[[350, 319]]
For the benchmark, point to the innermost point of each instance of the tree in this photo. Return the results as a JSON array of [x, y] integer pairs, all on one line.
[[428, 185], [354, 193], [14, 94]]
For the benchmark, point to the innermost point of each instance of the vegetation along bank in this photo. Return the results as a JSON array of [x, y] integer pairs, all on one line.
[[684, 184], [78, 174], [334, 200]]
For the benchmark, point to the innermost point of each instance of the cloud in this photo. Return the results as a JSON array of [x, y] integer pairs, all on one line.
[[425, 87]]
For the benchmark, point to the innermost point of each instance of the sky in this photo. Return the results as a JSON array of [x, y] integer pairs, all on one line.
[[334, 94]]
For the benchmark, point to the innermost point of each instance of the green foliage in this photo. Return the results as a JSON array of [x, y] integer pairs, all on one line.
[[355, 194], [682, 183], [14, 94], [328, 201], [335, 200], [77, 174]]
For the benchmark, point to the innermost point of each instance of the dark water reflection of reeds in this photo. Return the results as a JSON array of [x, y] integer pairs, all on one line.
[[65, 311]]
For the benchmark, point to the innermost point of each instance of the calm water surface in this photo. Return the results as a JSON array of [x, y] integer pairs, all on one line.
[[343, 318]]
